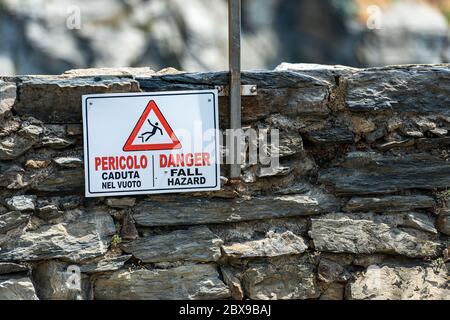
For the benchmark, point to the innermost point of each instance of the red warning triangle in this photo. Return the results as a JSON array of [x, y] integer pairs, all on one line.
[[130, 145]]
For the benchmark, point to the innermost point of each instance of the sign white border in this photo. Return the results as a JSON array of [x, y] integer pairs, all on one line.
[[217, 157]]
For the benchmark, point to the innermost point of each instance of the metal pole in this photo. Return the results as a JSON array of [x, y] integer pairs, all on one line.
[[234, 48]]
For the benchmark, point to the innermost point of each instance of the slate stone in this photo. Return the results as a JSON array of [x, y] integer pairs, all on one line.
[[231, 279], [395, 144], [333, 292], [86, 237], [275, 244], [275, 91], [9, 267], [56, 280], [325, 72], [334, 135], [121, 203], [291, 143], [128, 230], [418, 89], [420, 221], [330, 271], [192, 211], [197, 244], [189, 282], [9, 126], [281, 279], [37, 97], [57, 142], [443, 223], [11, 176], [368, 234], [433, 143], [49, 212], [105, 264], [389, 203], [17, 143], [7, 97], [69, 180], [375, 135], [69, 162], [370, 173], [11, 220], [207, 80], [13, 146], [399, 282], [17, 288], [21, 203], [439, 132]]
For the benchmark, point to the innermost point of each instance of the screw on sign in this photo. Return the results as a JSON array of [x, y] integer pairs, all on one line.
[[143, 143]]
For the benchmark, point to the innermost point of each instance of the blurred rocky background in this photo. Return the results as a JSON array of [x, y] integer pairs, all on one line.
[[51, 36]]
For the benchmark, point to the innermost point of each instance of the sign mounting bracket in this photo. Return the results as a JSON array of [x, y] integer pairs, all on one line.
[[246, 90]]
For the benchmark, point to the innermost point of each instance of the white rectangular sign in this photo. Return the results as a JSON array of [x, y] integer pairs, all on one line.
[[143, 143]]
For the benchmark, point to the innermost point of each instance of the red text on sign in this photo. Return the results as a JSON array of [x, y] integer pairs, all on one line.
[[121, 163], [200, 159]]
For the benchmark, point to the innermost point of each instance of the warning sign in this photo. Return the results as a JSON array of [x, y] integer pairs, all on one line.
[[143, 143], [152, 132]]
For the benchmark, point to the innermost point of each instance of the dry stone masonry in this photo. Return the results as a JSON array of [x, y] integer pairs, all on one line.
[[359, 208]]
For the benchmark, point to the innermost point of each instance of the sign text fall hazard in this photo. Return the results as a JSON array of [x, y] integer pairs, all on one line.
[[143, 143]]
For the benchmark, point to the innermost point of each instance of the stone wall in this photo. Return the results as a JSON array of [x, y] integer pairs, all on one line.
[[357, 210]]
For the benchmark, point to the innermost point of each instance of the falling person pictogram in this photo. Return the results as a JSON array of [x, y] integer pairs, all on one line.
[[140, 142], [155, 128]]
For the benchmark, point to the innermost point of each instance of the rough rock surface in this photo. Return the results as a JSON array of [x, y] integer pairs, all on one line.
[[69, 162], [420, 221], [7, 97], [70, 180], [334, 291], [21, 203], [199, 281], [400, 282], [233, 282], [107, 264], [16, 289], [273, 245], [14, 146], [38, 96], [121, 202], [371, 173], [195, 244], [389, 203], [286, 278], [86, 237], [399, 90], [11, 220], [9, 267], [55, 281], [11, 176], [366, 234], [199, 211], [355, 187], [330, 271], [443, 223]]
